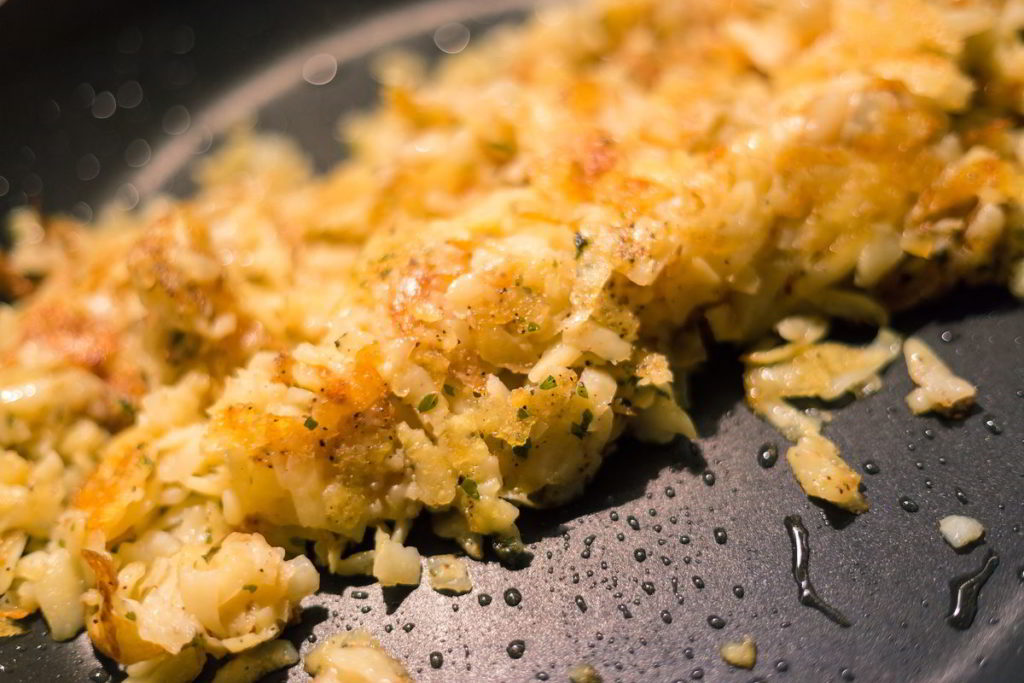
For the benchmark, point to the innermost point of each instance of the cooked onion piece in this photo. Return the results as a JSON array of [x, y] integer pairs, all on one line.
[[449, 574], [939, 390], [960, 531]]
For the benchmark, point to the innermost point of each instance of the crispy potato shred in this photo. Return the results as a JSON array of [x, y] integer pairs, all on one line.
[[523, 258]]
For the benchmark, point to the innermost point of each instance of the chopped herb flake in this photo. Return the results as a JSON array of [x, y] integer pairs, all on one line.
[[130, 616], [532, 327], [449, 390], [523, 412], [581, 389], [580, 430], [581, 243], [549, 383], [146, 461], [427, 403], [310, 424], [470, 487], [127, 407], [249, 587], [524, 450]]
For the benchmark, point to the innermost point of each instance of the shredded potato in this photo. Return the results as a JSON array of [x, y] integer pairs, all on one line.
[[354, 657], [939, 390], [524, 257]]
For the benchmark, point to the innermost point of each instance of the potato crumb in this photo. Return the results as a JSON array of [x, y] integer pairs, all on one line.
[[938, 390], [960, 531], [741, 654]]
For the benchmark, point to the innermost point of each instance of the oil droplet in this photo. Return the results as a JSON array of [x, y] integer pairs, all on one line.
[[311, 638], [738, 591], [360, 595], [580, 603], [626, 614], [104, 105], [484, 599], [670, 492], [365, 609], [138, 153], [451, 38], [614, 516], [408, 627], [183, 40], [176, 120], [5, 186], [846, 675], [720, 535], [320, 69], [993, 426], [666, 616], [639, 554], [542, 676], [767, 455], [716, 622], [871, 467], [919, 465], [908, 504], [798, 536], [698, 582], [88, 167], [98, 675], [697, 674], [633, 523], [948, 336], [960, 495], [709, 478], [782, 666], [436, 660], [929, 433], [516, 649], [647, 587], [684, 539], [129, 95], [965, 591], [513, 597], [127, 196]]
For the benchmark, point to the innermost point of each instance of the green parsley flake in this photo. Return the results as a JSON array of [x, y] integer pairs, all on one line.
[[549, 383], [427, 403], [522, 451], [310, 424], [523, 412], [580, 430], [130, 616], [581, 389], [532, 327], [470, 487], [249, 587], [449, 390]]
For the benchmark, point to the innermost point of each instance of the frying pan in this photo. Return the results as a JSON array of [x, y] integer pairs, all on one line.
[[111, 101]]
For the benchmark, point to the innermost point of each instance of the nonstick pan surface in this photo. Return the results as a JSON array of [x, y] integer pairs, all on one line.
[[112, 101]]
